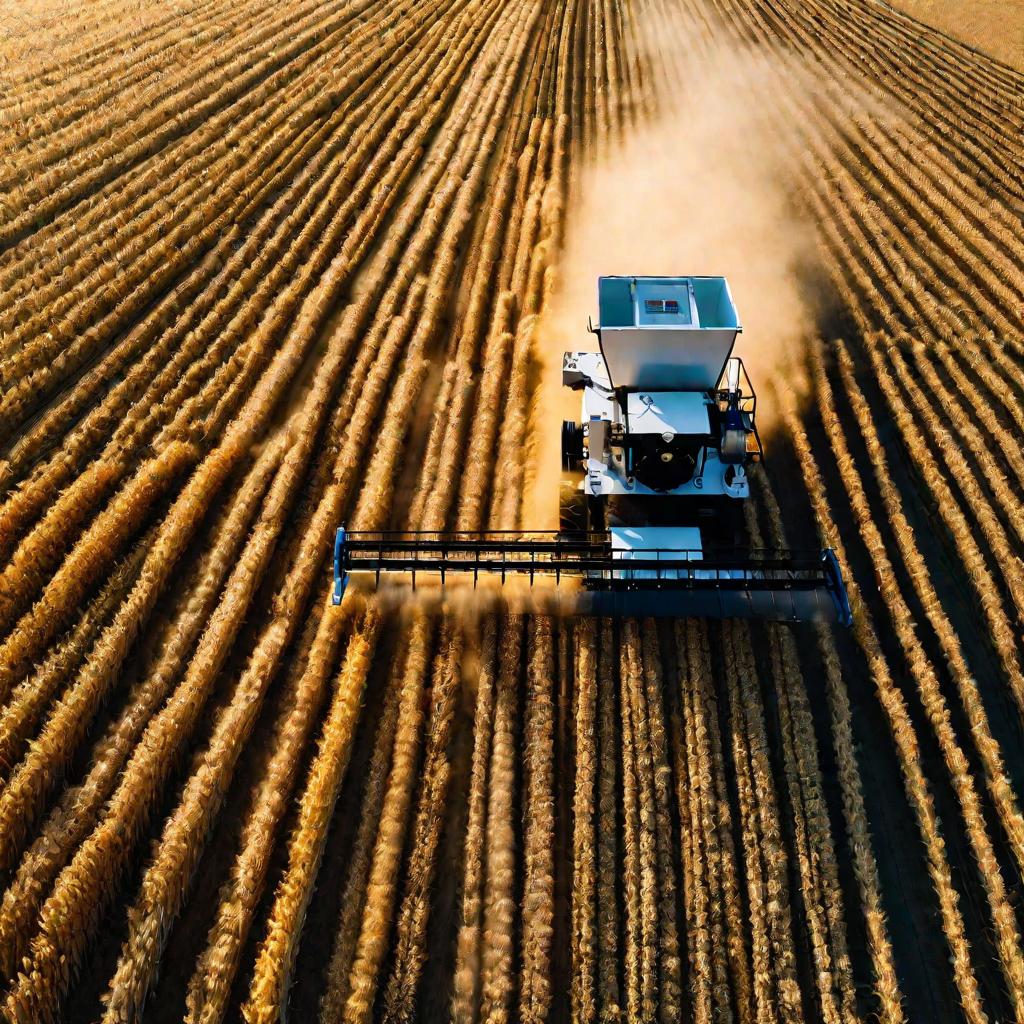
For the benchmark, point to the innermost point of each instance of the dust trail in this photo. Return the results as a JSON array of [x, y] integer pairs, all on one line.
[[472, 603], [706, 187]]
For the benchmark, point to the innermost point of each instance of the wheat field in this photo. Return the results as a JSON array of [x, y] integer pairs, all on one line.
[[270, 267]]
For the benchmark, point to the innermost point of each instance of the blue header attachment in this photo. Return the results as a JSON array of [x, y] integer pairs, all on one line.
[[340, 574], [651, 579], [837, 588]]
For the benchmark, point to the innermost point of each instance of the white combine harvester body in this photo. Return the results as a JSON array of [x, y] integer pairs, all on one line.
[[651, 512], [665, 421], [657, 414]]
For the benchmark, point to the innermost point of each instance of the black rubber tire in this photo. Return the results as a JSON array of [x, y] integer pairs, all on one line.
[[572, 445]]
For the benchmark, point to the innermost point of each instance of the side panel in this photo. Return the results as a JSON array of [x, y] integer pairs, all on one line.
[[666, 358]]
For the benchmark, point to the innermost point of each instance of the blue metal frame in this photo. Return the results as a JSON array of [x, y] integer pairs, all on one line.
[[838, 588], [340, 577], [625, 588]]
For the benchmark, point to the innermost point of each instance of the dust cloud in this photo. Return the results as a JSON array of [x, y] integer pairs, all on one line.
[[462, 598], [706, 188]]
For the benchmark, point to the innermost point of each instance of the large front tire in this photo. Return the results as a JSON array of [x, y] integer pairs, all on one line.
[[572, 446]]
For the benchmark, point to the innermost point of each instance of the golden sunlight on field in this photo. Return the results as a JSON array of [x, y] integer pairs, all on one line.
[[993, 26], [272, 266]]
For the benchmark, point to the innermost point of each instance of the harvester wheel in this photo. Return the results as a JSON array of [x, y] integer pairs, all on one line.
[[572, 445]]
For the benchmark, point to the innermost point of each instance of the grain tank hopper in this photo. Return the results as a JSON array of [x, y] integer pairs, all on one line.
[[651, 510]]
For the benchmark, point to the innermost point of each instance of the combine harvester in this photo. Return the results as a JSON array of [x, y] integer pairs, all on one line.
[[651, 512]]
